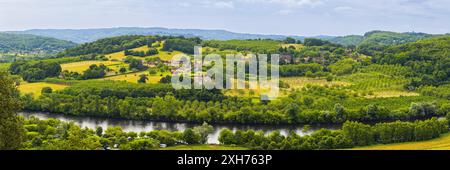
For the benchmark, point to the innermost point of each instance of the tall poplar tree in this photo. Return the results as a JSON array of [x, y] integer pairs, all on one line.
[[11, 130]]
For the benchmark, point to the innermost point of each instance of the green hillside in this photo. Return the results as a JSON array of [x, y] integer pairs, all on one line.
[[29, 44]]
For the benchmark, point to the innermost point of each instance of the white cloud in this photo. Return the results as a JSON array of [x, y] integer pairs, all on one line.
[[224, 4], [343, 9]]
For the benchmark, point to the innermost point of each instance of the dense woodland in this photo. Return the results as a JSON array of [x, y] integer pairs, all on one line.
[[352, 134]]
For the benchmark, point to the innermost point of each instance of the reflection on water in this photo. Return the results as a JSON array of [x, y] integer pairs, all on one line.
[[139, 126]]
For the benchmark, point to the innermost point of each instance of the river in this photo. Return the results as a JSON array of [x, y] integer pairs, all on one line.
[[139, 126]]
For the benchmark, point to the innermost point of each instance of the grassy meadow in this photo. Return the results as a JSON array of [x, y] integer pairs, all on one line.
[[84, 65], [441, 143]]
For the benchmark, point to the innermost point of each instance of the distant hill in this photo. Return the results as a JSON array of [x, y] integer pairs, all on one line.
[[429, 57], [347, 40], [380, 38], [28, 44], [89, 35], [393, 38]]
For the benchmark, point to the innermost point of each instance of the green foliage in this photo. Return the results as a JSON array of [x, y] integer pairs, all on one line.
[[345, 66], [191, 138], [47, 90], [428, 58], [142, 144], [204, 130], [325, 54], [11, 130], [110, 45], [122, 70], [386, 69], [352, 134], [300, 69], [94, 71], [315, 42], [290, 40], [25, 43], [53, 134], [256, 46], [349, 40], [34, 71], [376, 41], [373, 81], [135, 64], [150, 52], [166, 79], [142, 78], [440, 91], [181, 44], [358, 133]]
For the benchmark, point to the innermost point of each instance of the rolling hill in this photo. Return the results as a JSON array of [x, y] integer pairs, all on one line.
[[89, 35], [28, 44], [380, 38]]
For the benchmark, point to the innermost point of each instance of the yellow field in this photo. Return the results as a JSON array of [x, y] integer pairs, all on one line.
[[119, 56], [247, 92], [36, 88], [133, 77], [143, 48], [163, 55], [299, 82], [166, 56], [441, 143], [297, 46], [84, 65]]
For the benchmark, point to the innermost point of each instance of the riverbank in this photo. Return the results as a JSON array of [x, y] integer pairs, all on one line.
[[140, 126]]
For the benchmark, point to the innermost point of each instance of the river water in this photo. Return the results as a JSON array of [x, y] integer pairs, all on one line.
[[139, 126]]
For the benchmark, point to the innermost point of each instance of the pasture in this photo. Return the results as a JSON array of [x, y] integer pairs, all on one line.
[[133, 77], [36, 88], [4, 66], [84, 65]]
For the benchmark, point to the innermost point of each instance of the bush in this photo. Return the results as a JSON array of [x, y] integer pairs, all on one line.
[[47, 90]]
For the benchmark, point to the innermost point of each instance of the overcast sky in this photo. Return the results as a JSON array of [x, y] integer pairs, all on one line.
[[289, 17]]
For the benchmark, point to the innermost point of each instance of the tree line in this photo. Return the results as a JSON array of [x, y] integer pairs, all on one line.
[[351, 135], [54, 134], [163, 103]]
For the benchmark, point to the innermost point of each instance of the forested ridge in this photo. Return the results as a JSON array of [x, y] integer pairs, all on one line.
[[26, 43]]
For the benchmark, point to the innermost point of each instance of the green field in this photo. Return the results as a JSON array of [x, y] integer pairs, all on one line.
[[133, 77], [204, 147], [4, 66], [163, 55], [441, 143], [84, 65]]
